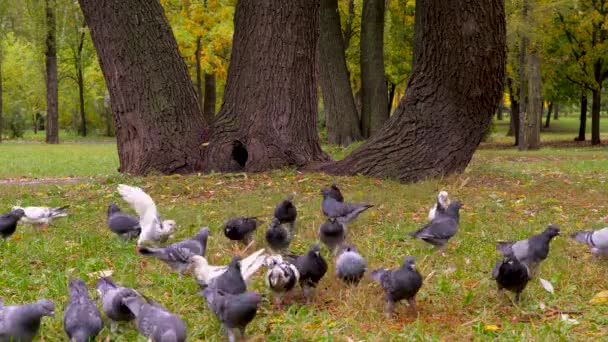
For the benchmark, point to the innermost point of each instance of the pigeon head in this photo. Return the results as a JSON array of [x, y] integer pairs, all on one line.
[[442, 198], [348, 247], [552, 231], [113, 208], [334, 192], [273, 260], [104, 284], [46, 307], [410, 263], [77, 287], [169, 226], [197, 261], [314, 250], [18, 212]]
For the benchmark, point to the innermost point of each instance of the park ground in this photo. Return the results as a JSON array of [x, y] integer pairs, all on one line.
[[507, 195]]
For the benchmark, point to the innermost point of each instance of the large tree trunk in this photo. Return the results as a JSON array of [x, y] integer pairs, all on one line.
[[583, 118], [514, 121], [83, 119], [447, 107], [499, 114], [341, 117], [530, 126], [52, 109], [107, 114], [210, 98], [373, 83], [556, 111], [269, 116], [158, 121], [595, 116], [199, 79], [549, 112]]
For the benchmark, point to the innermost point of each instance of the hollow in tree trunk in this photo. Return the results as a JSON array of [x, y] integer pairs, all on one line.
[[210, 98], [341, 117], [158, 121], [373, 83], [269, 115], [549, 112], [52, 110], [447, 107], [583, 118], [595, 116]]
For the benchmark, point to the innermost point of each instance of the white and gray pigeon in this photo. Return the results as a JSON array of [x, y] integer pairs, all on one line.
[[350, 265], [287, 213], [597, 240], [233, 311], [341, 211], [531, 251], [124, 225], [156, 322], [399, 284], [111, 296], [8, 222], [178, 255], [278, 237], [22, 322], [41, 216], [153, 229], [312, 267], [206, 274], [81, 319], [441, 205], [443, 227], [281, 277], [332, 233], [512, 275], [241, 229]]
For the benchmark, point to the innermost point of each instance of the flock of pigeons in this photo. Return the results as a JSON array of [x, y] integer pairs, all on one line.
[[225, 287]]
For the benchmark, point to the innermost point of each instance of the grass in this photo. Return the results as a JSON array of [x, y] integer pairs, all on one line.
[[507, 194]]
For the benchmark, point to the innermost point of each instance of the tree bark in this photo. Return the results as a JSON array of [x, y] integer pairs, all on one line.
[[499, 115], [583, 118], [373, 82], [450, 99], [158, 121], [80, 81], [269, 116], [107, 114], [52, 110], [523, 114], [514, 121], [556, 111], [199, 81], [595, 115], [210, 98], [548, 121], [530, 138], [341, 117]]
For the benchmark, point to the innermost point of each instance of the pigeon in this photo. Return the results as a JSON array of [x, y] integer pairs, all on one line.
[[443, 227], [241, 229], [332, 233], [206, 274], [81, 320], [124, 225], [21, 322], [153, 230], [398, 284], [286, 213], [281, 277], [312, 268], [177, 255], [277, 237], [342, 212], [350, 265], [596, 240], [512, 275], [156, 322], [111, 296], [443, 201], [41, 215], [532, 251], [334, 192], [233, 311], [8, 222]]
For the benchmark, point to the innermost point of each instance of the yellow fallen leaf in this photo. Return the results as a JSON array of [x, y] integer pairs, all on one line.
[[492, 327], [600, 297]]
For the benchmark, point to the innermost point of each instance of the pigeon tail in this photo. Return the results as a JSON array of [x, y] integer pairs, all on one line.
[[59, 212], [252, 264], [377, 274]]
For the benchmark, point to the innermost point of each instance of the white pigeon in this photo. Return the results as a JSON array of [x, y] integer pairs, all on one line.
[[281, 277], [441, 205], [153, 230], [597, 240], [205, 273], [41, 215]]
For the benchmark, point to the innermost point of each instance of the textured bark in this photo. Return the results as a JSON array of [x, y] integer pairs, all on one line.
[[499, 115], [341, 117], [107, 114], [373, 83], [52, 109], [595, 115], [199, 78], [210, 98], [158, 121], [269, 116], [450, 99], [549, 112], [523, 114], [530, 126], [556, 111], [348, 24], [514, 121], [583, 118]]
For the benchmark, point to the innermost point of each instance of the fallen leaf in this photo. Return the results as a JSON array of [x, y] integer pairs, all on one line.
[[600, 297], [101, 274], [492, 327], [547, 285], [569, 320]]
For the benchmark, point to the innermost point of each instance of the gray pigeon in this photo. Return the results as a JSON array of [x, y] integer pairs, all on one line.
[[277, 237], [241, 229], [231, 281], [111, 296], [350, 265], [8, 222], [334, 192], [342, 212], [21, 322], [312, 267], [81, 320], [286, 213], [177, 255], [443, 227], [233, 311], [532, 251], [596, 240], [512, 275], [156, 322], [282, 276], [332, 233], [402, 283], [124, 225]]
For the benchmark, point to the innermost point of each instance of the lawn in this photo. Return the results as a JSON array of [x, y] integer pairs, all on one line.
[[507, 195]]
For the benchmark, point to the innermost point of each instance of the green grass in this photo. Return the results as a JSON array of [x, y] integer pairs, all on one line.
[[507, 195]]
